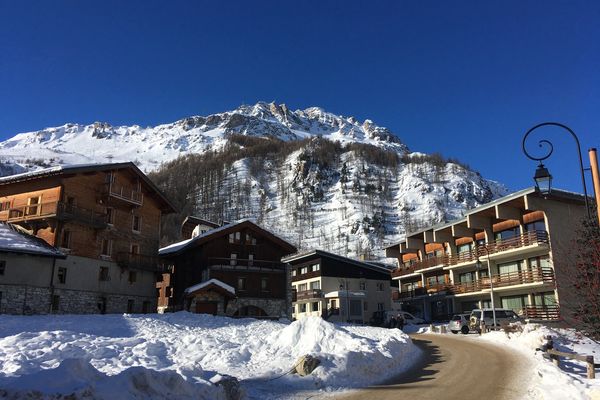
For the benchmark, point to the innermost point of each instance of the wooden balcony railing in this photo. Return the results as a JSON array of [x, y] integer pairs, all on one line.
[[246, 264], [139, 261], [309, 294], [498, 246], [541, 313], [52, 209], [411, 293], [125, 193], [536, 275]]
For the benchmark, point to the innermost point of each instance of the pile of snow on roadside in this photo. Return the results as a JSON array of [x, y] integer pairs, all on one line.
[[177, 355]]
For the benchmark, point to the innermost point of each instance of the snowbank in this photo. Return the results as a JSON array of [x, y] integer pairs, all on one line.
[[177, 355], [551, 382]]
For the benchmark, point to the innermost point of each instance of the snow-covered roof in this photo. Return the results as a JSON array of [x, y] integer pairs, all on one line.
[[358, 263], [176, 247], [14, 239], [209, 282]]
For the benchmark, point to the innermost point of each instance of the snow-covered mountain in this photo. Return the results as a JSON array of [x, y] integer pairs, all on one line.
[[151, 146], [318, 179]]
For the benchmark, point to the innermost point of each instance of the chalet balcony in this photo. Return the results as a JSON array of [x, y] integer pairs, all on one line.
[[240, 264], [536, 275], [55, 209], [496, 247], [309, 294], [125, 193], [405, 295], [139, 261]]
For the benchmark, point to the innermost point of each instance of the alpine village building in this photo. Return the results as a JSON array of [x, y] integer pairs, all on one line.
[[233, 270], [338, 288], [525, 238], [106, 219]]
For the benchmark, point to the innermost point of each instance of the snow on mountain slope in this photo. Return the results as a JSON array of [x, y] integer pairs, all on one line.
[[339, 196], [149, 147]]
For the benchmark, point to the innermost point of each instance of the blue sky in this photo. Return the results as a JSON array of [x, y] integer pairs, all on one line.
[[466, 79]]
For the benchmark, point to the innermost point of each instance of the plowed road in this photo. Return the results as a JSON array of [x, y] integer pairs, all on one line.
[[454, 367]]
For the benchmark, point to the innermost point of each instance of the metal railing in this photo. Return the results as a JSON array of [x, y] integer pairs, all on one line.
[[497, 246]]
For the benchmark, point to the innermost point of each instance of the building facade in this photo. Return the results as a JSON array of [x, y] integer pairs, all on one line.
[[106, 219], [518, 246], [240, 255], [337, 288]]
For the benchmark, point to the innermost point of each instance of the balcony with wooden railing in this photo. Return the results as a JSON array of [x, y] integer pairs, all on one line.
[[541, 313], [54, 209], [224, 263], [527, 239], [309, 294], [139, 261], [536, 275], [125, 193]]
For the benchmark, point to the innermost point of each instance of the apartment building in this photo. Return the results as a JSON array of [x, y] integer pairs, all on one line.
[[232, 270], [523, 239], [337, 288], [106, 219]]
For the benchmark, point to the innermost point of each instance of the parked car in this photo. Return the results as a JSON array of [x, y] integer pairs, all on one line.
[[503, 315], [409, 319], [459, 323]]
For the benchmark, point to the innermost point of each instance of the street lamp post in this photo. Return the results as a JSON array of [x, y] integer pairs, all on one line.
[[543, 179], [489, 269]]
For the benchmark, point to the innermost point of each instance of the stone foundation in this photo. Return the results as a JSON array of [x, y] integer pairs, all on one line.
[[276, 308], [23, 299]]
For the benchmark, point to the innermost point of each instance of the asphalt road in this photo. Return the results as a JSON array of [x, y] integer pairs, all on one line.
[[454, 367]]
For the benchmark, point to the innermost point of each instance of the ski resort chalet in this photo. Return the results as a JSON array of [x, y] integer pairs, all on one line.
[[234, 270], [105, 218]]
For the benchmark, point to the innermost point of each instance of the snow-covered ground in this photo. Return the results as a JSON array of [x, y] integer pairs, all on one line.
[[549, 381], [179, 355]]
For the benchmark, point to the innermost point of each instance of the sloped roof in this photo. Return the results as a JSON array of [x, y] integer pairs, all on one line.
[[211, 283], [180, 247], [14, 239], [326, 254], [168, 207]]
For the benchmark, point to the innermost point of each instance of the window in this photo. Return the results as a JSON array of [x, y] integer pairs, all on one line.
[[132, 277], [32, 208], [110, 215], [231, 238], [250, 260], [380, 307], [62, 275], [539, 262], [106, 247], [233, 259], [316, 267], [130, 304], [544, 299], [302, 287], [294, 272], [380, 286], [235, 237], [302, 307], [436, 280], [135, 248], [466, 277], [137, 223], [55, 303], [2, 267], [65, 240], [303, 270], [536, 226], [5, 205], [264, 284], [464, 248], [515, 303], [508, 233], [315, 285], [510, 267], [356, 307], [250, 240], [362, 286], [104, 276], [241, 283], [315, 306]]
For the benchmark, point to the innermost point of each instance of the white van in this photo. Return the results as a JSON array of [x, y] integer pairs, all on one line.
[[503, 315]]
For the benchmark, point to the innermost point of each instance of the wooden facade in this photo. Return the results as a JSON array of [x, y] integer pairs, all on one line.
[[241, 255], [108, 213]]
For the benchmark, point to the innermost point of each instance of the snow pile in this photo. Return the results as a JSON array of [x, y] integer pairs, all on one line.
[[567, 382], [178, 355]]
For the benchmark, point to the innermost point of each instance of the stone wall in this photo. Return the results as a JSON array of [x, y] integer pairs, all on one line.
[[23, 299], [273, 307], [208, 296]]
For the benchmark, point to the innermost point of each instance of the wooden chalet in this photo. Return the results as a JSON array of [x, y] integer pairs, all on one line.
[[239, 255]]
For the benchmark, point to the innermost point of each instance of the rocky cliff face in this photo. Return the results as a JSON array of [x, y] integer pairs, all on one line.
[[317, 179]]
